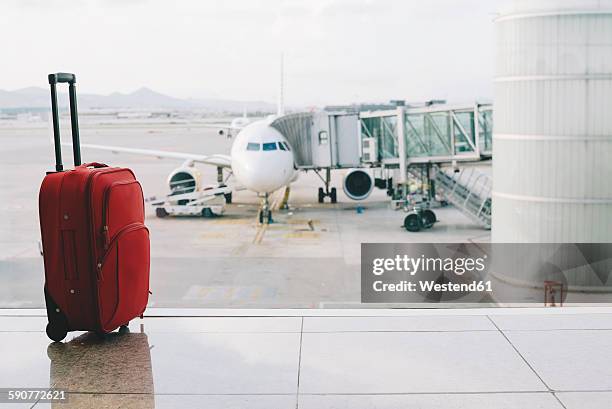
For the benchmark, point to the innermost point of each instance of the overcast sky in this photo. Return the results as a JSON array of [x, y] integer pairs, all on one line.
[[336, 51]]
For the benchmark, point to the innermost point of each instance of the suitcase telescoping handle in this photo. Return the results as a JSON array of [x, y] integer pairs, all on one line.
[[54, 79]]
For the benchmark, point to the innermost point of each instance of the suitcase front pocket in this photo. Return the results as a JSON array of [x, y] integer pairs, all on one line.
[[122, 205], [123, 275]]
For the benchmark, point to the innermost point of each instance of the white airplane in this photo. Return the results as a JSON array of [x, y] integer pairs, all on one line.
[[235, 125], [240, 122]]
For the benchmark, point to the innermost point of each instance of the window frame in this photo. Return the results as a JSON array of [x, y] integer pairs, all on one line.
[[251, 145], [271, 145], [323, 140]]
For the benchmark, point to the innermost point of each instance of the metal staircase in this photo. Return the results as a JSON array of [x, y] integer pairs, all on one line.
[[469, 191]]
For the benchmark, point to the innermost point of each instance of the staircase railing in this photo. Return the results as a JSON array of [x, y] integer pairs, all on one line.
[[470, 191]]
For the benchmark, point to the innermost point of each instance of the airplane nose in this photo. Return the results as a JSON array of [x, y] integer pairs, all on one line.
[[264, 176]]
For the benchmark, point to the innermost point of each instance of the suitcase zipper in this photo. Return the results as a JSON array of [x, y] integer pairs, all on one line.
[[105, 234], [124, 230], [90, 182]]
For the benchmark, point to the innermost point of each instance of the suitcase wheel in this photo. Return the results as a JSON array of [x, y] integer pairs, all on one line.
[[101, 335], [56, 332]]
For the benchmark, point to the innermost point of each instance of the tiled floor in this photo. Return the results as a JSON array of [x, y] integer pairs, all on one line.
[[482, 359]]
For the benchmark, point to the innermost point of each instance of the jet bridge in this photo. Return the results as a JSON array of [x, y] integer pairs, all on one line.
[[402, 145], [433, 134], [323, 139]]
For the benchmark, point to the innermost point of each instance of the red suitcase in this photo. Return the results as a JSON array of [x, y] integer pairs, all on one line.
[[95, 243]]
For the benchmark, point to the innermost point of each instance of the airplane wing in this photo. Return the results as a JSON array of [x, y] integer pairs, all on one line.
[[223, 129], [221, 126], [222, 161]]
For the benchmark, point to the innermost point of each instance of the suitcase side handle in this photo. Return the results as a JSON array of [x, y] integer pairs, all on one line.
[[54, 79]]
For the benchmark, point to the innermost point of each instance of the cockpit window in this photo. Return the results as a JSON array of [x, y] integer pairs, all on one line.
[[281, 146], [252, 146], [286, 145], [271, 146]]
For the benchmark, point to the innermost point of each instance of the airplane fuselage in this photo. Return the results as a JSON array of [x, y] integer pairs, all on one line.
[[261, 158]]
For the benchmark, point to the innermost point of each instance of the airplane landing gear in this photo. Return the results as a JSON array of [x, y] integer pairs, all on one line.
[[265, 213], [327, 192], [265, 217], [285, 202]]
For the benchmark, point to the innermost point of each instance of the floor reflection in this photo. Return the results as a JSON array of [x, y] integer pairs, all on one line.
[[112, 372]]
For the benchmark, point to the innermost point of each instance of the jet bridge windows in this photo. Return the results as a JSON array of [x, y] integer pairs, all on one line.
[[251, 146], [270, 146]]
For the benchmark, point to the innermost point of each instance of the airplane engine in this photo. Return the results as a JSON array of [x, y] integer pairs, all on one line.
[[184, 180], [358, 184]]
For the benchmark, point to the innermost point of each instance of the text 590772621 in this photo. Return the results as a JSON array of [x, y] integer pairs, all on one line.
[[32, 395]]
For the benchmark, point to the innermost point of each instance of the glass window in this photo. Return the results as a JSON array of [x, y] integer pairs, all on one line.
[[281, 146], [286, 145], [270, 146], [252, 146], [323, 138]]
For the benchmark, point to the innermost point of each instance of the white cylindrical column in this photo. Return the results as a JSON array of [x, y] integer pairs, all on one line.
[[552, 150]]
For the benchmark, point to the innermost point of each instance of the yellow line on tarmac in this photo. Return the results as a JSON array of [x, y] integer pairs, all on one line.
[[261, 230]]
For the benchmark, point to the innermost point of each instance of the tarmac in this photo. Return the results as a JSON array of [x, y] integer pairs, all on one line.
[[308, 258]]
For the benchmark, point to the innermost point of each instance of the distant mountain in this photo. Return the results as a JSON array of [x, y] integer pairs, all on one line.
[[31, 97], [142, 98]]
